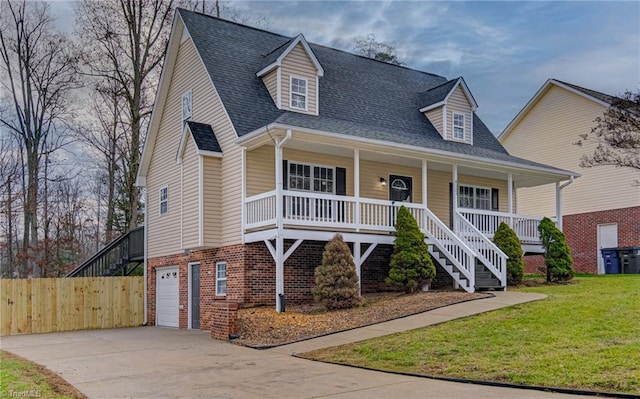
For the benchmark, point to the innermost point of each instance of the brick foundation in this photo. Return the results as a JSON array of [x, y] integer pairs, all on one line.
[[225, 320], [582, 236]]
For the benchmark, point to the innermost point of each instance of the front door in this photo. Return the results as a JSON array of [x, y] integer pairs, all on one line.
[[400, 190], [607, 238], [195, 296]]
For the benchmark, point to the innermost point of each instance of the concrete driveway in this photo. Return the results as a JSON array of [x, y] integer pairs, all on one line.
[[151, 362]]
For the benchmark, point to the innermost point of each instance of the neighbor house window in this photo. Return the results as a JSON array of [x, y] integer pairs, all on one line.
[[164, 200], [322, 180], [474, 197], [458, 126], [221, 278], [186, 107], [298, 93]]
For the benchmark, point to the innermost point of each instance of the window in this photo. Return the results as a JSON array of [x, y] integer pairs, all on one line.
[[186, 107], [458, 126], [221, 278], [164, 200], [300, 178], [298, 93], [474, 197]]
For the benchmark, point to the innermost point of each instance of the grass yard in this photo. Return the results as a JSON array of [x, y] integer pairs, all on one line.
[[20, 378], [585, 335]]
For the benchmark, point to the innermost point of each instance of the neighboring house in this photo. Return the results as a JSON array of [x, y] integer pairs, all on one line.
[[602, 208], [261, 147]]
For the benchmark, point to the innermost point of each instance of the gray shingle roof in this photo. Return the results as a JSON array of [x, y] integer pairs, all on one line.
[[595, 94], [204, 137], [358, 96], [274, 54], [437, 94]]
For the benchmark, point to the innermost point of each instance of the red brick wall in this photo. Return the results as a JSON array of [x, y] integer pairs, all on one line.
[[582, 236]]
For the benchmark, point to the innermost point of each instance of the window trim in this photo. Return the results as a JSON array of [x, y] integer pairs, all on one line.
[[219, 279], [475, 197], [311, 185], [165, 200], [186, 118], [306, 92], [453, 126]]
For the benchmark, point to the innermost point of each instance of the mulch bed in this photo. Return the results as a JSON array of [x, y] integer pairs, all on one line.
[[264, 327]]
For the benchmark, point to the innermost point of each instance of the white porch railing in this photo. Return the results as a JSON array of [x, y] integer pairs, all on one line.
[[489, 254], [526, 227]]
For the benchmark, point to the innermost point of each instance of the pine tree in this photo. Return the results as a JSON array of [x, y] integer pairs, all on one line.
[[507, 240], [336, 281], [411, 266], [557, 255]]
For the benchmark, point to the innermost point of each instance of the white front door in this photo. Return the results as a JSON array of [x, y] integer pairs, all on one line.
[[167, 296], [607, 238]]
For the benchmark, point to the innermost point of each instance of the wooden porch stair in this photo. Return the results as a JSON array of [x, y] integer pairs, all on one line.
[[484, 279]]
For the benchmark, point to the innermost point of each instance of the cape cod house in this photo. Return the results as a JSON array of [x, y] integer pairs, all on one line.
[[261, 147], [602, 208]]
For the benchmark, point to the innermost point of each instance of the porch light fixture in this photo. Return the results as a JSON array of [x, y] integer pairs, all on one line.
[[383, 182]]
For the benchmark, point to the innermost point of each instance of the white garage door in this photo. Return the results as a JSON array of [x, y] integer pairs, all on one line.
[[167, 289]]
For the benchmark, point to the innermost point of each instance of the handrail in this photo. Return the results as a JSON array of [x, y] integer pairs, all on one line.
[[447, 242], [493, 258], [116, 250]]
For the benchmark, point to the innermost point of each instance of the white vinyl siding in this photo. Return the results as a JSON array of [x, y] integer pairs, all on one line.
[[221, 278], [546, 134], [435, 117], [190, 209], [457, 103]]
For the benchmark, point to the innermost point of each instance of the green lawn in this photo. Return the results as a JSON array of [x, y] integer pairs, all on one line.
[[21, 378], [585, 335]]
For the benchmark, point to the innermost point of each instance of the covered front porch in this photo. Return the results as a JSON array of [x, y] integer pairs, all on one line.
[[304, 186]]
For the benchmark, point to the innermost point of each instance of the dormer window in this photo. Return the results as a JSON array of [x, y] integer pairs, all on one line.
[[458, 126], [298, 93], [186, 107]]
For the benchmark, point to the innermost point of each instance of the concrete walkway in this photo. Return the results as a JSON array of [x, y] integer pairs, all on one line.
[[501, 299], [150, 362]]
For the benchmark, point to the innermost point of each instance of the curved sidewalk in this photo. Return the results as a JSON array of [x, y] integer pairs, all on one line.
[[501, 299]]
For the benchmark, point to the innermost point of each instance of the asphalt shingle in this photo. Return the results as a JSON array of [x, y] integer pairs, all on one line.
[[204, 137]]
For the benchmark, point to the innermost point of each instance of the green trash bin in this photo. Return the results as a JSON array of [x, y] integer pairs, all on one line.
[[629, 260]]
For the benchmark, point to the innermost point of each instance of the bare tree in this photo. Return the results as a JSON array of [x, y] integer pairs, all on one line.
[[40, 70], [616, 135], [225, 9], [124, 44], [9, 181], [369, 47]]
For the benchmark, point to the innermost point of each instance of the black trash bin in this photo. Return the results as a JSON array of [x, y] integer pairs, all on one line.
[[611, 260], [629, 260]]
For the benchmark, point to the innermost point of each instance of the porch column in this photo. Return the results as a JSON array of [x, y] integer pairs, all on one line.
[[356, 188], [279, 250], [510, 200], [357, 260], [559, 205], [454, 195], [424, 191], [244, 191]]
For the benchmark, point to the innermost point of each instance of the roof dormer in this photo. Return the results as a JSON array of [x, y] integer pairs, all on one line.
[[450, 107], [291, 74]]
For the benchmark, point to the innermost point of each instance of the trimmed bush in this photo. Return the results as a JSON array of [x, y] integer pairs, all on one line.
[[557, 255], [507, 240], [411, 266], [336, 281]]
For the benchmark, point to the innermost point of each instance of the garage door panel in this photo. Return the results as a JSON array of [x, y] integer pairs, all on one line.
[[167, 296]]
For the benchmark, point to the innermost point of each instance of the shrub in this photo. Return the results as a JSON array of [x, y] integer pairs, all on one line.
[[411, 265], [507, 240], [557, 255], [336, 281]]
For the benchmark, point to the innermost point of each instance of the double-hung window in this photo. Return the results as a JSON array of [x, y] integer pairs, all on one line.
[[164, 200], [474, 197], [458, 126], [221, 278], [298, 93], [310, 178]]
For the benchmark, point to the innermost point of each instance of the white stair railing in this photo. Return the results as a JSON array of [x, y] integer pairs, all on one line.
[[453, 248], [489, 254]]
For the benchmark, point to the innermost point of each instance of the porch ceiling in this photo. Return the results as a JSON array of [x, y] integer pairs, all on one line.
[[522, 177]]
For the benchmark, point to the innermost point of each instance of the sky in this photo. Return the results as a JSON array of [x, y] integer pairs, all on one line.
[[504, 50]]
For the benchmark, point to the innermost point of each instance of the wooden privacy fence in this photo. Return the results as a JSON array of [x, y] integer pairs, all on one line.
[[42, 305]]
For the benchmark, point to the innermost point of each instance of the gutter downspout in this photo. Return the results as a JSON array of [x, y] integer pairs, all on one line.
[[144, 269], [559, 188]]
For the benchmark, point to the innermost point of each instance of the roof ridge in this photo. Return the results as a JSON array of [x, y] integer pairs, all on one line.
[[231, 22], [441, 84]]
